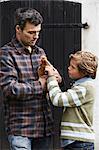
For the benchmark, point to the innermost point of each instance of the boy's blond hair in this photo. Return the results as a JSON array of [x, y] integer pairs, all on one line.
[[87, 63]]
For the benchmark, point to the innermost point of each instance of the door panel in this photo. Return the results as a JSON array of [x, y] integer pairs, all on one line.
[[60, 36]]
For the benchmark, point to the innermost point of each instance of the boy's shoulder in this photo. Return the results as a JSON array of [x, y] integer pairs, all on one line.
[[84, 81]]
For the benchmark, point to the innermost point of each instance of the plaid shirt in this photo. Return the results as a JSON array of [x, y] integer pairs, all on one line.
[[27, 111]]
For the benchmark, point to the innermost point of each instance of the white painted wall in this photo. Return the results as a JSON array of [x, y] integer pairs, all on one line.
[[90, 41]]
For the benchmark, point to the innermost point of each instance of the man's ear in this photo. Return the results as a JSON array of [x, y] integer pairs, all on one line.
[[18, 29]]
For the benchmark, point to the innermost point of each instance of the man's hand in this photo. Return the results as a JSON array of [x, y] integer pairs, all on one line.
[[43, 82], [44, 62]]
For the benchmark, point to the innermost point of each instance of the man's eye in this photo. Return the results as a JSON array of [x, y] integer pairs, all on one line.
[[31, 32]]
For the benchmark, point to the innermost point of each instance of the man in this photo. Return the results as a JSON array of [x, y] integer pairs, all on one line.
[[28, 116]]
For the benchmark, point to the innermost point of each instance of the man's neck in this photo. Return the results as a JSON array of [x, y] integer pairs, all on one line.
[[29, 48]]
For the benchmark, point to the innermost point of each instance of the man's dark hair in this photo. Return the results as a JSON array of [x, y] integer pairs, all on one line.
[[23, 15]]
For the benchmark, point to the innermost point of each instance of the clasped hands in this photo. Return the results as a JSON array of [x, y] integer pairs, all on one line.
[[46, 70]]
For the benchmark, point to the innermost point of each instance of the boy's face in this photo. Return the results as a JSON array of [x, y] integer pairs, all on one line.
[[73, 70]]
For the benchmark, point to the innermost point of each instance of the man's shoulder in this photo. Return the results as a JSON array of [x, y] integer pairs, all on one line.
[[7, 47], [39, 49]]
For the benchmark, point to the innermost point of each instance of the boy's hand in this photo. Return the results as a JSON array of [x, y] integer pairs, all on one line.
[[53, 72], [46, 68]]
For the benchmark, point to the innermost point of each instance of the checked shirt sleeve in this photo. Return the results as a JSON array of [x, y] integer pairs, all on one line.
[[9, 83], [71, 98]]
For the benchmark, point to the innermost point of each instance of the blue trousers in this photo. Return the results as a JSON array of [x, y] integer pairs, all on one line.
[[77, 145], [24, 143]]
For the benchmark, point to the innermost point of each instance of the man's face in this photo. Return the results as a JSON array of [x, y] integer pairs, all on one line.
[[29, 35]]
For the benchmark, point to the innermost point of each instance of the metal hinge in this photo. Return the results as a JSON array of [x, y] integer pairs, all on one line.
[[66, 25]]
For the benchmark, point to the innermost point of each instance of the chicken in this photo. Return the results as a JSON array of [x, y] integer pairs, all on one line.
[[41, 69]]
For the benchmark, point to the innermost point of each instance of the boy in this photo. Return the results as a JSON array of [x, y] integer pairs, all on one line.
[[77, 120]]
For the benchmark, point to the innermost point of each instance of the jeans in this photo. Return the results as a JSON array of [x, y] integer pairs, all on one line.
[[25, 143], [77, 145]]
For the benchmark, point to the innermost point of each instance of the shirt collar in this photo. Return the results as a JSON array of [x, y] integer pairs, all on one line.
[[21, 49]]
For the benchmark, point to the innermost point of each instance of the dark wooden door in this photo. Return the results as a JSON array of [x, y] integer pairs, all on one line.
[[60, 36]]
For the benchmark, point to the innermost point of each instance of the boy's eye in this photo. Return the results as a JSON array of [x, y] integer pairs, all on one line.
[[73, 67]]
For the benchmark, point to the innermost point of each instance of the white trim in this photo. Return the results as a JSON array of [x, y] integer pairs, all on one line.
[[52, 91], [65, 100], [84, 135], [82, 90], [52, 83], [74, 97], [78, 125], [4, 1], [56, 99]]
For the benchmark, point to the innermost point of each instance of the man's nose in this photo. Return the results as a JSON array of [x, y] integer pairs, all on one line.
[[36, 35], [68, 67]]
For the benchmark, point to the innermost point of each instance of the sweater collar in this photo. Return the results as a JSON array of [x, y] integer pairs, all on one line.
[[82, 80]]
